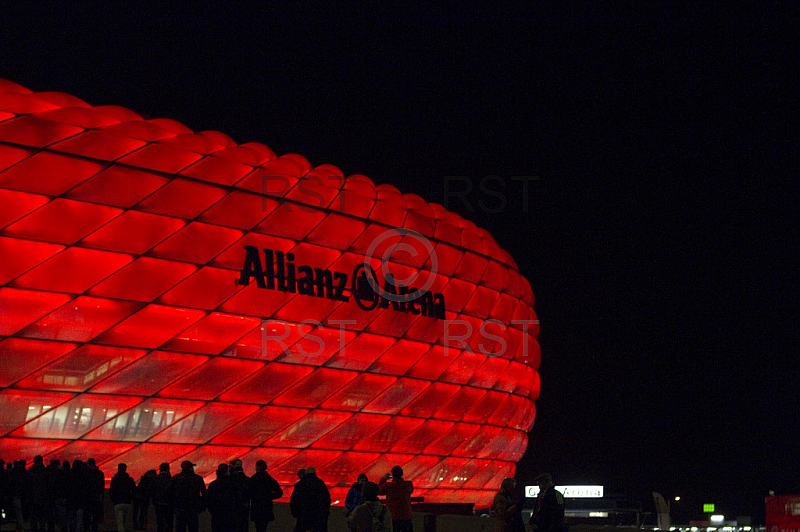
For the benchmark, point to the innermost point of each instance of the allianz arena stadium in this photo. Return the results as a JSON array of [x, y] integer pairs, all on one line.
[[168, 295]]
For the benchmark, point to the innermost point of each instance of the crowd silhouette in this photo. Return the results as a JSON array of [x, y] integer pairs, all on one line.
[[69, 497]]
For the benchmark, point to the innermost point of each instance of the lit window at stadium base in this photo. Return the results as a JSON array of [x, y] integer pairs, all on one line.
[[139, 323]]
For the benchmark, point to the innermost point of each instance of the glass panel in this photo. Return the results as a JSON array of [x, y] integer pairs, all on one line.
[[266, 384], [47, 173], [18, 357], [151, 326], [207, 289], [467, 472], [231, 258], [197, 242], [161, 159], [422, 437], [81, 319], [118, 186], [144, 420], [441, 474], [481, 478], [359, 392], [351, 431], [98, 144], [149, 374], [506, 411], [397, 396], [396, 428], [82, 368], [457, 293], [74, 270], [238, 209], [295, 224], [21, 255], [485, 407], [458, 405], [478, 441], [308, 308], [182, 198], [266, 342], [144, 279], [315, 388], [25, 448], [213, 333], [524, 417], [14, 205], [260, 426], [419, 465], [21, 307], [486, 376], [429, 401], [342, 470], [317, 344], [206, 423], [499, 444], [211, 379], [360, 353], [76, 417], [48, 224], [452, 439], [400, 357], [308, 429], [432, 364], [217, 170], [20, 406], [133, 232], [464, 366], [337, 231]]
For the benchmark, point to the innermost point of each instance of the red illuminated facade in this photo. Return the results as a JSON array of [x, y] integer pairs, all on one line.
[[133, 328]]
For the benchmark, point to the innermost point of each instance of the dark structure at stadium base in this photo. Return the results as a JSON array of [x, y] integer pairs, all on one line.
[[134, 326]]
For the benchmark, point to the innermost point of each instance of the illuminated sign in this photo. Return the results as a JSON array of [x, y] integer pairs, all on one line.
[[279, 272], [572, 492], [708, 508]]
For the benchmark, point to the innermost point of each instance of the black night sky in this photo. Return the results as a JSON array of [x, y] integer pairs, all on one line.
[[658, 236]]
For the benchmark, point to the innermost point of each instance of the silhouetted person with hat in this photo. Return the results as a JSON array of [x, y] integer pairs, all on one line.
[[548, 515], [188, 498], [121, 492], [162, 498], [311, 503], [263, 490]]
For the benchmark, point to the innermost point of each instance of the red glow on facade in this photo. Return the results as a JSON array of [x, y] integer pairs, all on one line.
[[129, 330]]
